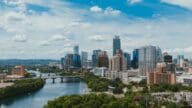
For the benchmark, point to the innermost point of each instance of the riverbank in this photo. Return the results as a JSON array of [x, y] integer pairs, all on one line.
[[136, 96], [98, 84], [21, 87]]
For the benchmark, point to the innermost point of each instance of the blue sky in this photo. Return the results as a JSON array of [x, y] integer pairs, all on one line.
[[50, 28]]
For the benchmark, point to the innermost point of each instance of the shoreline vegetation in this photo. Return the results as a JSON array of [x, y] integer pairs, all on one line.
[[98, 84], [137, 95], [21, 87]]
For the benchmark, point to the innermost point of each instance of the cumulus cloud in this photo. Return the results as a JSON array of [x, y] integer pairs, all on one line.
[[134, 1], [44, 43], [181, 50], [58, 37], [14, 22], [20, 38], [98, 38], [96, 9], [57, 40], [182, 3], [21, 6], [64, 26], [111, 11]]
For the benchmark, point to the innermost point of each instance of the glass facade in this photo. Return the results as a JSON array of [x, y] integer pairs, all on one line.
[[116, 44], [135, 61]]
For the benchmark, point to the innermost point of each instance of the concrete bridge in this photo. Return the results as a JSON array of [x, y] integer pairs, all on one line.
[[62, 78]]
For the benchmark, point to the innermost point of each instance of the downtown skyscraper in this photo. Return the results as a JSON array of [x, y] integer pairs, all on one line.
[[127, 57], [103, 60], [95, 57], [76, 49], [135, 61], [84, 59], [147, 60], [116, 44]]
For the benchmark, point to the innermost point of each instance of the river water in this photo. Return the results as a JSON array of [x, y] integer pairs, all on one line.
[[49, 92]]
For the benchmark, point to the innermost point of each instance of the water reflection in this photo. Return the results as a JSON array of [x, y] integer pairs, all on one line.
[[48, 92]]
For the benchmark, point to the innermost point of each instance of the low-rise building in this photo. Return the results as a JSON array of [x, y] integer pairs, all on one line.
[[164, 73], [100, 71], [19, 71], [185, 79]]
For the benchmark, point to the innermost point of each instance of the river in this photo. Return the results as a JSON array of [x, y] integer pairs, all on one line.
[[49, 92]]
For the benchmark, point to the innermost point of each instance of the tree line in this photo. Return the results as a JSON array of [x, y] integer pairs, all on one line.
[[21, 87]]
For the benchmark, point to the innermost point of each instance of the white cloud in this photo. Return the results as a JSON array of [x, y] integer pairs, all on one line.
[[56, 40], [64, 26], [134, 1], [44, 43], [181, 50], [182, 3], [20, 38], [98, 38], [58, 37], [14, 22], [96, 9], [19, 3], [111, 11]]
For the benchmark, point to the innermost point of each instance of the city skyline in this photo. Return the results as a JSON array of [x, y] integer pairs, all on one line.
[[38, 29]]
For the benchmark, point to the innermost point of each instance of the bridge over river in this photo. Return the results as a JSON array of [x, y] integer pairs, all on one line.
[[53, 76]]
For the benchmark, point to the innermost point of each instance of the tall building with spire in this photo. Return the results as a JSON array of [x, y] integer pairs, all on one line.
[[116, 44]]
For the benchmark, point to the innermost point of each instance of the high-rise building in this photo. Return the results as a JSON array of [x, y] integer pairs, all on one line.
[[135, 61], [72, 61], [76, 49], [89, 64], [84, 59], [117, 65], [95, 57], [103, 60], [180, 60], [68, 61], [164, 73], [147, 60], [76, 61], [62, 63], [167, 58], [127, 56], [159, 56], [116, 44]]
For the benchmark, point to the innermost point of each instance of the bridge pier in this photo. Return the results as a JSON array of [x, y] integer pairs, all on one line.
[[53, 80], [62, 79]]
